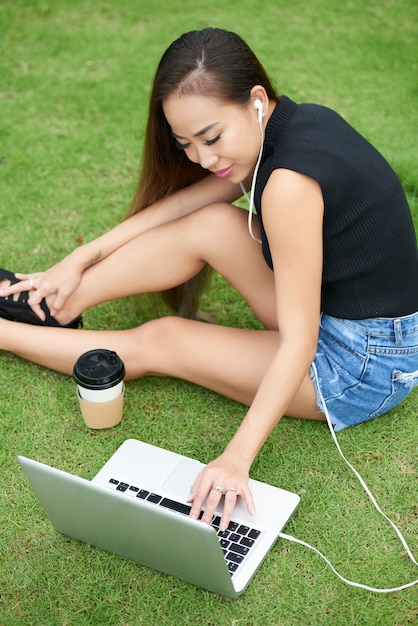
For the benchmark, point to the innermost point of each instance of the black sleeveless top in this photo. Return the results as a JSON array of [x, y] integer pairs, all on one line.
[[370, 252]]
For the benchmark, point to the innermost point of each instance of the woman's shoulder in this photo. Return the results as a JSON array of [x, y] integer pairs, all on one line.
[[317, 141]]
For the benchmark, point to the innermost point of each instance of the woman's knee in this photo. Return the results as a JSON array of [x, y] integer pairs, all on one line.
[[218, 219], [155, 340]]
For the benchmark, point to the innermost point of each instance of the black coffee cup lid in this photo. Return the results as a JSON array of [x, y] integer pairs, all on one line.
[[99, 369]]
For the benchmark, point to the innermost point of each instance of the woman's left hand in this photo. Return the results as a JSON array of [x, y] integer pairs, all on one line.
[[225, 476]]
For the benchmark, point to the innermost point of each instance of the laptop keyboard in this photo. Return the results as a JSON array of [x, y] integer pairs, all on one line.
[[236, 541]]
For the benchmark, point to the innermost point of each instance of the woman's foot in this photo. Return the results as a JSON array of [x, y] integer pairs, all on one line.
[[16, 308]]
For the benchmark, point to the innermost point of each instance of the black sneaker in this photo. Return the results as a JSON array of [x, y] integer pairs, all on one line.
[[20, 311]]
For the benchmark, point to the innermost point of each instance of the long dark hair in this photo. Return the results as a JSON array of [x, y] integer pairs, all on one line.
[[212, 62]]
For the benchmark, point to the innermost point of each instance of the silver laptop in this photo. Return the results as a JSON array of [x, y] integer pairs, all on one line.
[[136, 507]]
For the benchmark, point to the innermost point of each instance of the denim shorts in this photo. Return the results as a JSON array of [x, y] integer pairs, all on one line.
[[365, 367]]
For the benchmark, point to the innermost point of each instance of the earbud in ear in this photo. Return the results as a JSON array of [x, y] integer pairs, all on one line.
[[259, 106]]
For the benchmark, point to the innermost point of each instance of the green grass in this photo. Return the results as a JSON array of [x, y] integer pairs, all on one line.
[[74, 82]]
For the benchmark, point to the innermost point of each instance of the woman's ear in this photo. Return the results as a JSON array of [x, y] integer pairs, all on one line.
[[259, 100]]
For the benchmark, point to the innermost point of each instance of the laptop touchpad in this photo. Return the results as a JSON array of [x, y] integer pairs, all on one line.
[[182, 478]]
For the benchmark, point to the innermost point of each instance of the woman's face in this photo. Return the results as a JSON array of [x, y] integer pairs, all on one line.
[[223, 138]]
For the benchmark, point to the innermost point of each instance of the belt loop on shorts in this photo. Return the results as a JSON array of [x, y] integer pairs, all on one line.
[[397, 327]]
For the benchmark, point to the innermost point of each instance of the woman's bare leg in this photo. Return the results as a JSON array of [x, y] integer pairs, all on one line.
[[230, 361], [59, 348], [170, 254]]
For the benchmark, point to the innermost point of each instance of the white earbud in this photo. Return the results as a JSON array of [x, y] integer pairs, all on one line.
[[260, 114], [259, 106]]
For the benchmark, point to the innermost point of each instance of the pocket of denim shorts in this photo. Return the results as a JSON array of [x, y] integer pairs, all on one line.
[[347, 358], [402, 385]]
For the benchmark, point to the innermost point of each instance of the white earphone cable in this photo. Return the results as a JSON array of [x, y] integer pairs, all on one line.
[[345, 580], [367, 490], [250, 200]]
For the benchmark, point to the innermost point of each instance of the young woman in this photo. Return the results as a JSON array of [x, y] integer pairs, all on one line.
[[329, 264]]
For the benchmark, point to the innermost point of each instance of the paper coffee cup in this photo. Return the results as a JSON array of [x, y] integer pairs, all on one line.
[[99, 376], [100, 395], [102, 414]]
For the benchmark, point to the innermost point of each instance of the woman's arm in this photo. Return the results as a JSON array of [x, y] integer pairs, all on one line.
[[292, 216], [207, 191], [63, 278]]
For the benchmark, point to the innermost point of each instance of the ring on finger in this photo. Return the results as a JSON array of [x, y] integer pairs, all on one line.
[[31, 281], [218, 488], [230, 489]]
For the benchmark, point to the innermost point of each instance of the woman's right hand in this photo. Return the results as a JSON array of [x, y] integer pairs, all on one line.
[[225, 476], [57, 284]]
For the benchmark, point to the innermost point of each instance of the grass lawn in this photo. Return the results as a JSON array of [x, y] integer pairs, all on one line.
[[75, 77]]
